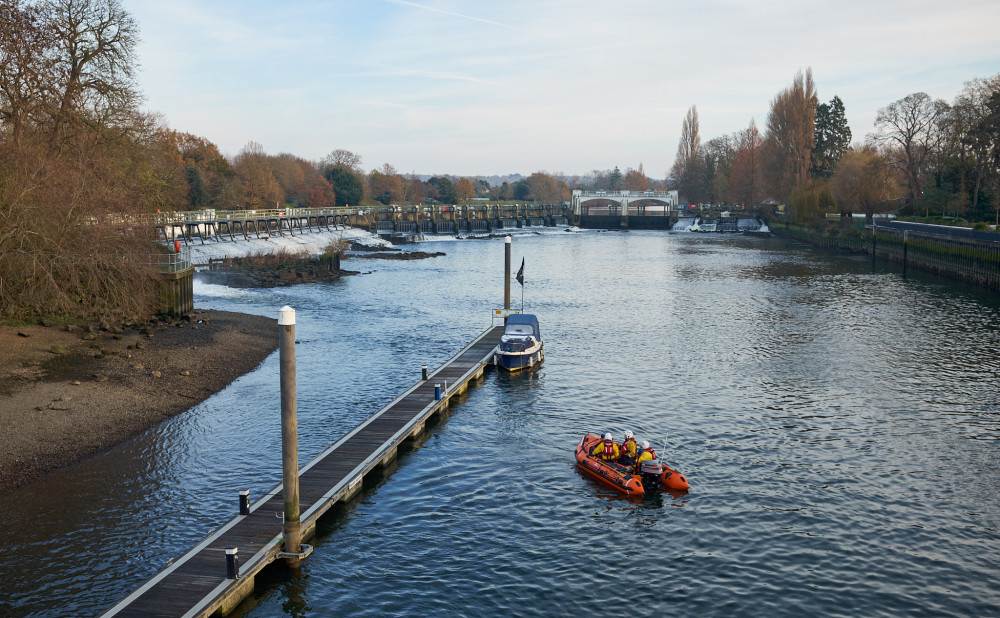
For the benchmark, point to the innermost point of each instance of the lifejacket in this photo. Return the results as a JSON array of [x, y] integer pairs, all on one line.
[[626, 451], [609, 451], [642, 458]]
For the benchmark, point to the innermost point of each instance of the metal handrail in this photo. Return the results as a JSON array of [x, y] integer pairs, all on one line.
[[172, 262], [211, 214], [625, 193]]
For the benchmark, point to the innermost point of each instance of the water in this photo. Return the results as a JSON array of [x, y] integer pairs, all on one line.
[[839, 425]]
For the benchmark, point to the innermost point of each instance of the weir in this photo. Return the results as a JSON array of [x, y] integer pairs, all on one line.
[[220, 225], [388, 221]]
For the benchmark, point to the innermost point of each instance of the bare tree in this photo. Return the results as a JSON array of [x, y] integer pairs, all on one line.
[[908, 127], [790, 136], [386, 184], [687, 170], [343, 158], [260, 188], [26, 62], [864, 181], [718, 155], [962, 141], [744, 180], [93, 76]]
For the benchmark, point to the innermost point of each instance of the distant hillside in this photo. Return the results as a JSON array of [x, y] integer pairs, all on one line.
[[493, 181]]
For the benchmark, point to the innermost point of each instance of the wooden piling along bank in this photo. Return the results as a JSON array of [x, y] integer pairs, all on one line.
[[177, 292], [970, 260], [196, 584]]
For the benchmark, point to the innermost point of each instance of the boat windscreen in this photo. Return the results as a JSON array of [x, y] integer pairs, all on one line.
[[518, 329]]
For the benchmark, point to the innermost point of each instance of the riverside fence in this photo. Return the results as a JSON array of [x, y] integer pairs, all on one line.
[[972, 260]]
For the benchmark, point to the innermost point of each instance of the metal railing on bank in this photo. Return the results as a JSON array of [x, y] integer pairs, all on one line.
[[171, 262]]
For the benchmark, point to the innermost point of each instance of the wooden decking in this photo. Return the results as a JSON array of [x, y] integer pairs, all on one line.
[[195, 584]]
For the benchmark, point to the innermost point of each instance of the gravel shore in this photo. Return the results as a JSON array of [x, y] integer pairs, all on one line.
[[66, 395]]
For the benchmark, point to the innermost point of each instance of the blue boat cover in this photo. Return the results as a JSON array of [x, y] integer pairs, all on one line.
[[522, 324]]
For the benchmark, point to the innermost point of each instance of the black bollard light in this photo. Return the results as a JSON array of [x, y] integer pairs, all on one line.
[[232, 563], [423, 372], [245, 502]]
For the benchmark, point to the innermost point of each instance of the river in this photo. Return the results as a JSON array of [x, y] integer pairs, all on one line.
[[838, 423]]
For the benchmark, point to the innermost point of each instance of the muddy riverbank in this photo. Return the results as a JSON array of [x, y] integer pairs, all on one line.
[[66, 395]]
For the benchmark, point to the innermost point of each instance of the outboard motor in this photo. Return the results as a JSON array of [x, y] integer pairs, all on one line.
[[650, 471]]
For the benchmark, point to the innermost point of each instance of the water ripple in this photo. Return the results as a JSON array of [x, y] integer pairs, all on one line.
[[839, 425]]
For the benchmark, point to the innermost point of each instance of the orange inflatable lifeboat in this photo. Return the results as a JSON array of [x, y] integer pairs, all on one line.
[[653, 475]]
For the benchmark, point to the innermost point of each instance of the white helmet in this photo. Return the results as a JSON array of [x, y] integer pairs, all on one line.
[[644, 445], [629, 436], [608, 436]]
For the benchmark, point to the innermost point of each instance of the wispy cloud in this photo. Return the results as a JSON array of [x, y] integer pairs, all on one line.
[[390, 72], [571, 85], [433, 9]]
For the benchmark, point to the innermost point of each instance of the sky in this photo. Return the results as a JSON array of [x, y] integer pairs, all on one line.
[[488, 87]]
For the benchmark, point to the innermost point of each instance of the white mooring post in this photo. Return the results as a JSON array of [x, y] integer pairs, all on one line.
[[289, 434]]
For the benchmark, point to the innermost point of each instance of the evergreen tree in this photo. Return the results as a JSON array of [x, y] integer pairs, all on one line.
[[987, 133], [522, 189], [445, 189], [833, 137], [196, 188], [617, 179], [505, 192], [347, 185]]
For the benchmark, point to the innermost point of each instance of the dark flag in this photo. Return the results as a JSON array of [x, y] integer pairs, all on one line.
[[520, 273]]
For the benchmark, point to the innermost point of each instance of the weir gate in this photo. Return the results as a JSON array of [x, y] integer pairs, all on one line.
[[625, 209]]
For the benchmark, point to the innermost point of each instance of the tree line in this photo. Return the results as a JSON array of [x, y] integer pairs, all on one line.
[[78, 157], [924, 157]]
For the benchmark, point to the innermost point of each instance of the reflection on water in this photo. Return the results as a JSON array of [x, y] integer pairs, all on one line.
[[838, 424]]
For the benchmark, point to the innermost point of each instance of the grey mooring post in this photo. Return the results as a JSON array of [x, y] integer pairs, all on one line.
[[289, 434], [506, 276]]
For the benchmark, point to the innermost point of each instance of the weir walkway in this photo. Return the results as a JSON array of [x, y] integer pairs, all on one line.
[[220, 224], [199, 583]]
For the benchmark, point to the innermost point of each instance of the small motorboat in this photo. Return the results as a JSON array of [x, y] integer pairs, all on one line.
[[652, 476], [521, 343]]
